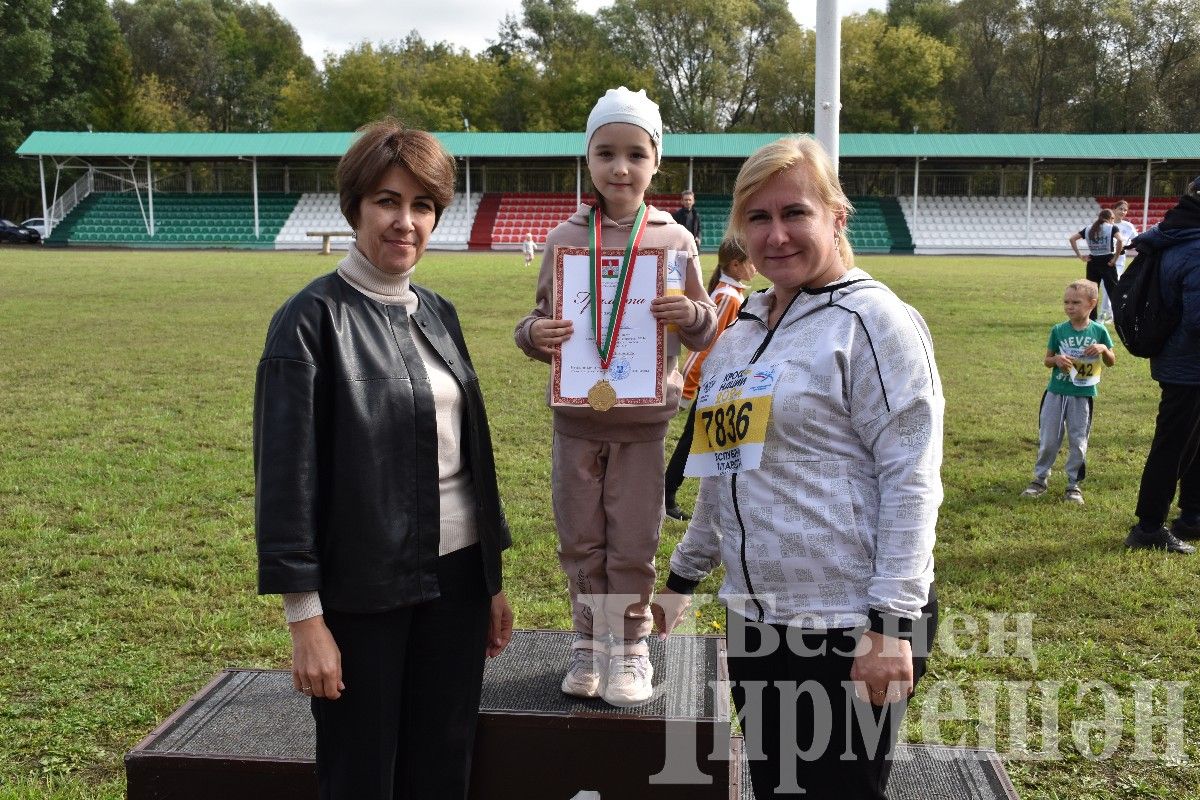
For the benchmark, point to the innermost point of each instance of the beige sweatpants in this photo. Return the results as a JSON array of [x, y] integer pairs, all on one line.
[[608, 506]]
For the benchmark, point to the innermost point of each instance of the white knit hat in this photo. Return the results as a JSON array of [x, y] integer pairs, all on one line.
[[622, 105]]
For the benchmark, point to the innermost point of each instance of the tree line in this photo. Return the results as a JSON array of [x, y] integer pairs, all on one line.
[[712, 65]]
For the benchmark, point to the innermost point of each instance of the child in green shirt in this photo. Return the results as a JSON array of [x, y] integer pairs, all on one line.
[[1076, 353]]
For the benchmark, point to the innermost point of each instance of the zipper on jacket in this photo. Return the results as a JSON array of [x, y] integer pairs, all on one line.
[[737, 511]]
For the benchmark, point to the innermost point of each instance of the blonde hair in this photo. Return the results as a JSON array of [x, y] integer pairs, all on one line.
[[780, 156], [1090, 289]]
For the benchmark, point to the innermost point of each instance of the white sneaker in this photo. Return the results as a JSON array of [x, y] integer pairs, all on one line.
[[629, 675], [589, 660]]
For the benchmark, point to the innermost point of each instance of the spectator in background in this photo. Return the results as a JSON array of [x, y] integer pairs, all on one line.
[[1127, 230], [1173, 452], [1076, 353], [527, 247], [1103, 243], [727, 288], [687, 216]]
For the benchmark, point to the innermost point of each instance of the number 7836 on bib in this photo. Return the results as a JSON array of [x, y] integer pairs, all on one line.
[[731, 422]]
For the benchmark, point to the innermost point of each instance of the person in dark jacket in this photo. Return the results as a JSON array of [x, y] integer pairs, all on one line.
[[1173, 452], [687, 216], [377, 512]]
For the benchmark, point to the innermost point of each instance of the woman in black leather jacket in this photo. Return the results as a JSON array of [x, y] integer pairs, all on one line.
[[376, 508]]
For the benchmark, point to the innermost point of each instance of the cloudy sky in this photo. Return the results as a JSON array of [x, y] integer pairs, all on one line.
[[332, 27]]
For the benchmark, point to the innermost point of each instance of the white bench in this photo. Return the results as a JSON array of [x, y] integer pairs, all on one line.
[[326, 236]]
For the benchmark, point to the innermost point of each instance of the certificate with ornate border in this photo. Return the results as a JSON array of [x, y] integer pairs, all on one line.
[[636, 372]]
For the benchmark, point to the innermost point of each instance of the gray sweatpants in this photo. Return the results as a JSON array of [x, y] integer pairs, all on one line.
[[608, 506], [1074, 415]]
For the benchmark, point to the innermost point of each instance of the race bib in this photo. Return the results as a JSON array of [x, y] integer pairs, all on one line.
[[1085, 370], [732, 412], [676, 283]]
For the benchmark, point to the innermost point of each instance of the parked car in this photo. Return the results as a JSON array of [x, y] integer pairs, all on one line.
[[12, 232], [37, 223]]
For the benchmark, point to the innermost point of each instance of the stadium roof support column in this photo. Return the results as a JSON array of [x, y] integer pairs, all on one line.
[[49, 223], [1029, 203], [254, 188], [691, 166], [578, 182], [1146, 198], [468, 161], [150, 194], [828, 83], [916, 180]]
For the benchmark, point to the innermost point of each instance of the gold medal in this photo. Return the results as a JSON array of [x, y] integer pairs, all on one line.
[[602, 396]]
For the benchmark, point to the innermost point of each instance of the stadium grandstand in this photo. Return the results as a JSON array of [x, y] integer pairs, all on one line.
[[913, 193]]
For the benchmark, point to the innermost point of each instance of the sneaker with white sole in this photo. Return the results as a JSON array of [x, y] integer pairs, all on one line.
[[1034, 489], [1074, 495], [585, 676], [630, 674]]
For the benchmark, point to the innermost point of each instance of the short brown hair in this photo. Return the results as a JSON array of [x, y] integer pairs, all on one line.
[[386, 143]]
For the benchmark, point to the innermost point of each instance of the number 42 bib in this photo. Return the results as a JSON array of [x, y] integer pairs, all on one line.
[[732, 411]]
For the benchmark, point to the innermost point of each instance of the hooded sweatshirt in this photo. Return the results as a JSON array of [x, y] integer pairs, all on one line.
[[1176, 240], [835, 528], [623, 423]]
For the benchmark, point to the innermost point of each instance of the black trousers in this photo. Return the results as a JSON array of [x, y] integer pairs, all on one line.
[[806, 733], [674, 477], [405, 726], [1100, 273], [1172, 458]]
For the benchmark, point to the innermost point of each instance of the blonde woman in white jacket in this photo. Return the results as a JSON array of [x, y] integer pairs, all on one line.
[[824, 432]]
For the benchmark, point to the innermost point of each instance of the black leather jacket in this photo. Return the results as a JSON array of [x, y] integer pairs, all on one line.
[[345, 451]]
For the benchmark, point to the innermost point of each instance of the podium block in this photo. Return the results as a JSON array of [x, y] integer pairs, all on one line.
[[248, 735], [535, 742], [921, 772]]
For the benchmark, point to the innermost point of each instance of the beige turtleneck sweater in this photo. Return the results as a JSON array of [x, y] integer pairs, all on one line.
[[456, 497]]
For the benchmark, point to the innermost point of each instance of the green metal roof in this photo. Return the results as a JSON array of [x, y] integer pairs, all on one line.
[[1102, 146], [186, 145]]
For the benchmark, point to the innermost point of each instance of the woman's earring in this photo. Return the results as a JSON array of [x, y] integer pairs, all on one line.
[[837, 238]]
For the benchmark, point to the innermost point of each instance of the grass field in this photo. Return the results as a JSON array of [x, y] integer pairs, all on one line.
[[127, 565]]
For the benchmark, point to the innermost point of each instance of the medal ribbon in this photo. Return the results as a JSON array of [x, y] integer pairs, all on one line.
[[606, 342]]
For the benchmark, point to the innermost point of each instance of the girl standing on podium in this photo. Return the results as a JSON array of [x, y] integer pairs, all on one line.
[[607, 464], [376, 507]]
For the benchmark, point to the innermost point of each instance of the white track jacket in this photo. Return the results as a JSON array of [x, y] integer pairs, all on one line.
[[836, 528]]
